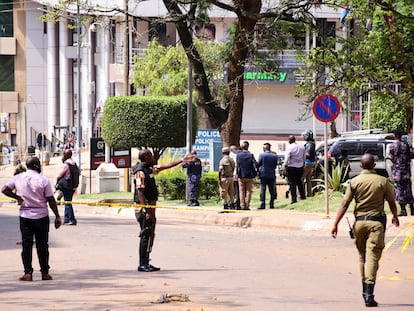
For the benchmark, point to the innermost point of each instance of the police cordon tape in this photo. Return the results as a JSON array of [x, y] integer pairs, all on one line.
[[177, 207], [198, 208]]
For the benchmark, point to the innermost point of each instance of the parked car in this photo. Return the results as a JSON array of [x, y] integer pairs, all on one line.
[[354, 145]]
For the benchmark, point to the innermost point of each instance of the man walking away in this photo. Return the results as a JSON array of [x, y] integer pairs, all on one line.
[[246, 171], [369, 190], [267, 173]]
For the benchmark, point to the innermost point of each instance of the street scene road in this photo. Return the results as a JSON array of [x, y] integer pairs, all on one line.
[[217, 267]]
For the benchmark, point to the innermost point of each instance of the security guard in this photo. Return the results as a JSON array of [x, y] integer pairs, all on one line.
[[369, 191], [194, 169], [226, 181], [146, 195]]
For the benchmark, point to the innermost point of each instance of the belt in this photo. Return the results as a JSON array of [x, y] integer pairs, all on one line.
[[373, 218], [228, 176]]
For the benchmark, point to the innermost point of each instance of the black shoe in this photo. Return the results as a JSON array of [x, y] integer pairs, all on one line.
[[148, 268]]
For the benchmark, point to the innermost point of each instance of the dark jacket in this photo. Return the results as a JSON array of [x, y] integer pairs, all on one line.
[[267, 165], [246, 165]]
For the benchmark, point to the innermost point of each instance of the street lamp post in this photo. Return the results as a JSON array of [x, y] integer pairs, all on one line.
[[78, 100]]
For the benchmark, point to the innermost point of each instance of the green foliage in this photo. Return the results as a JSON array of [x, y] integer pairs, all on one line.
[[209, 185], [369, 61], [335, 178], [386, 113], [164, 70], [136, 121], [172, 184]]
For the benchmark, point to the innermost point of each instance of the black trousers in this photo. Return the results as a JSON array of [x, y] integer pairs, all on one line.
[[146, 236], [295, 181], [39, 229]]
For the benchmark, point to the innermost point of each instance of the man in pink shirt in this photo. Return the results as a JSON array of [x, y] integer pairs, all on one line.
[[33, 194]]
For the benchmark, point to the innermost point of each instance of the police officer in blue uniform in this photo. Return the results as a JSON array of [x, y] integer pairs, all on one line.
[[194, 169]]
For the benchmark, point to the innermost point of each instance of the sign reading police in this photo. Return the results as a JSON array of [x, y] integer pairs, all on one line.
[[202, 143]]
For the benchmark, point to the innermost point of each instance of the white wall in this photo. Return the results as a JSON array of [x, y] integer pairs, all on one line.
[[36, 66], [273, 109]]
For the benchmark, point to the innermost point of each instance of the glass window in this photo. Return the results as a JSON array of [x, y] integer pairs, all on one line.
[[6, 73], [6, 18]]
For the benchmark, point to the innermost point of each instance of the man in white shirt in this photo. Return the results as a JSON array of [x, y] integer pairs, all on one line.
[[294, 162]]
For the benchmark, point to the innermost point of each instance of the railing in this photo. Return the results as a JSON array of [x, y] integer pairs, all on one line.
[[286, 58]]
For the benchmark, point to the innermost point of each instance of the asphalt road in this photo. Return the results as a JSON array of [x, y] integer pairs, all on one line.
[[217, 267]]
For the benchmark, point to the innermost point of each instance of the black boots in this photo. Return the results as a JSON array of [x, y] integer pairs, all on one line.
[[403, 211], [412, 209], [368, 295]]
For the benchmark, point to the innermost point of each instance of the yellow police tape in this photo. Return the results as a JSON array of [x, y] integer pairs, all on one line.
[[198, 208], [404, 247]]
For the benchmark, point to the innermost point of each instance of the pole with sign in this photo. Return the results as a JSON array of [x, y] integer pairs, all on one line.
[[326, 108]]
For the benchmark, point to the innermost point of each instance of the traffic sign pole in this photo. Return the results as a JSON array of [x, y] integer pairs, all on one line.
[[326, 108]]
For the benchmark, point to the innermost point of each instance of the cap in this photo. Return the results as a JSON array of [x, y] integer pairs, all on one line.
[[225, 150]]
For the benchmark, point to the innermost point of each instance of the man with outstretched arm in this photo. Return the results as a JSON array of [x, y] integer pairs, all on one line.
[[146, 196]]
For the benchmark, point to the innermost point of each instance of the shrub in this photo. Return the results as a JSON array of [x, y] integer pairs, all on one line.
[[172, 183], [209, 185]]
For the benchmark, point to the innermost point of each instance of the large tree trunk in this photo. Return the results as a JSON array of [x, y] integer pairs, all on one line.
[[247, 18], [227, 117], [217, 115]]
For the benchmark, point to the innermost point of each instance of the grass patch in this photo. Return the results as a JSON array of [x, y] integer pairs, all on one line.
[[315, 204]]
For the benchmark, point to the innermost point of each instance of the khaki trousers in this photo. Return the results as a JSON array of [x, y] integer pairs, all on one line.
[[227, 190], [369, 240], [245, 192]]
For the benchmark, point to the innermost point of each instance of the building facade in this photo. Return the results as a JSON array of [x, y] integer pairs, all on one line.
[[57, 80]]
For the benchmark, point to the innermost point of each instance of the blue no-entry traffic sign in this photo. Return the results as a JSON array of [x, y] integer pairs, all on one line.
[[326, 108]]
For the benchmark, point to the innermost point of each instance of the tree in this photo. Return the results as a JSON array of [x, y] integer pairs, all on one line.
[[377, 53], [145, 121], [227, 115]]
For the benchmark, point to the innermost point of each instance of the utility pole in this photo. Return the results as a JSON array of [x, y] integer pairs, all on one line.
[[78, 97], [125, 57]]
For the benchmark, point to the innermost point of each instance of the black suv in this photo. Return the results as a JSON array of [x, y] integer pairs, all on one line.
[[355, 147]]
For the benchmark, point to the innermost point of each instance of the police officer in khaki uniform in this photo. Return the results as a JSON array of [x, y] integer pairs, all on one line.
[[226, 181], [369, 191]]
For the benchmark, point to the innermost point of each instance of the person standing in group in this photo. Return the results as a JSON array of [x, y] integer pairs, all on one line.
[[146, 196], [67, 182], [400, 155], [369, 190], [294, 161], [33, 193], [226, 184], [234, 150], [310, 160], [246, 171], [266, 166], [194, 169]]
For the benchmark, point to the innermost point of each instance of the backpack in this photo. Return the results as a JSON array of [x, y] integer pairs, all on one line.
[[74, 176]]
